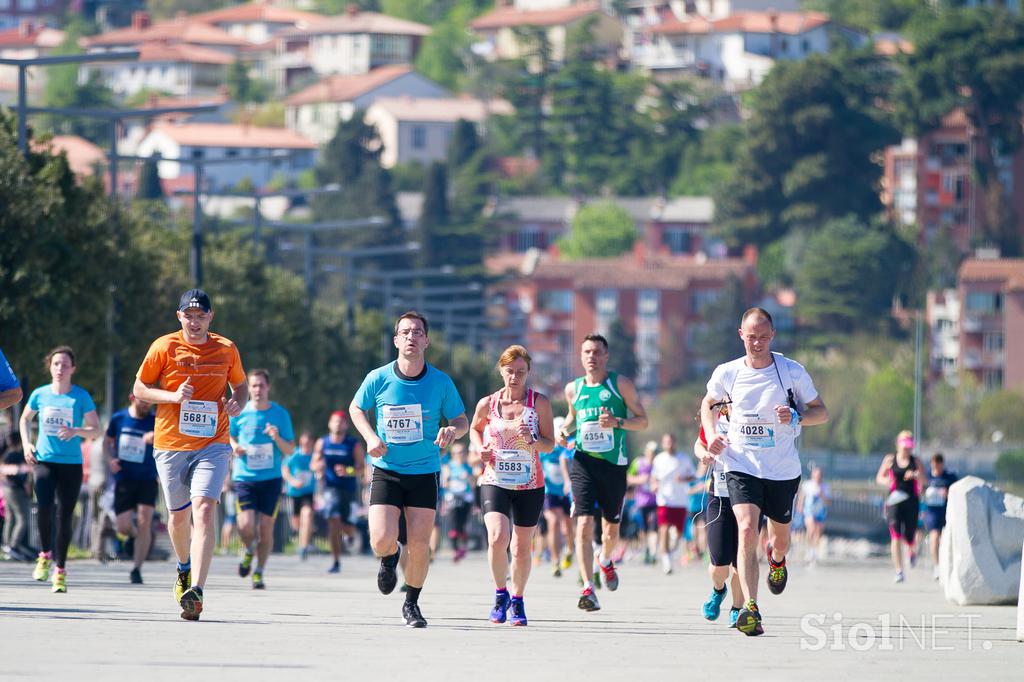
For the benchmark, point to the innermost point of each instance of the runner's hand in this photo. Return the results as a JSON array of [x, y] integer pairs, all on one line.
[[783, 413], [115, 465], [561, 438], [30, 453], [718, 444], [339, 469], [607, 420], [184, 391], [148, 438], [65, 433], [486, 455], [526, 433], [272, 431], [707, 460], [240, 451], [445, 436], [231, 406], [375, 447]]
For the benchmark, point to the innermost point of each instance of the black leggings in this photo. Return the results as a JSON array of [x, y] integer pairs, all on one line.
[[57, 484]]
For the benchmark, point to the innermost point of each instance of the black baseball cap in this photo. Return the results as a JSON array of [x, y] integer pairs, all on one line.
[[194, 298]]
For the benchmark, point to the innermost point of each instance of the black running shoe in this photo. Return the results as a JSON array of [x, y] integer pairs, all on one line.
[[387, 574], [749, 620], [192, 603], [777, 574], [412, 616], [136, 576], [588, 600]]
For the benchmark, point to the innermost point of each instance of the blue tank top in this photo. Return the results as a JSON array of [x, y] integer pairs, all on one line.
[[342, 453]]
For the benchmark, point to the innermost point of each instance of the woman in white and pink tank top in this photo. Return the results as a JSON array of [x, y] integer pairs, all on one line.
[[511, 427]]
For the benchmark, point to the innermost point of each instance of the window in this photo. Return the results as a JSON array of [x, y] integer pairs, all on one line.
[[231, 153], [555, 300], [198, 153], [992, 378], [677, 241], [419, 137], [648, 303], [702, 298], [984, 302], [805, 45], [529, 237], [992, 342]]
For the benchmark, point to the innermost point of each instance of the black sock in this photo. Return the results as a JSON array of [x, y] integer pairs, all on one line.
[[720, 591], [412, 595], [390, 561]]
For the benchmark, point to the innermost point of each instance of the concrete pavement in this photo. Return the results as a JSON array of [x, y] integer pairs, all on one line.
[[845, 620]]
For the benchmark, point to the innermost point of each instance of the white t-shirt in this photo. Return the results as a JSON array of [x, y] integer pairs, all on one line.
[[674, 474], [814, 495], [758, 444]]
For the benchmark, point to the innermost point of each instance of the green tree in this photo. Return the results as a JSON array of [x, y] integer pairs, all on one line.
[[849, 274], [720, 319], [464, 145], [622, 350], [149, 186], [887, 408], [599, 230], [814, 131], [973, 59], [708, 161], [1001, 411], [64, 91], [244, 88], [871, 15]]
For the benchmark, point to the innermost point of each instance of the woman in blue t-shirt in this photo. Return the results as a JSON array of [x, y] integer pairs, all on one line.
[[67, 414]]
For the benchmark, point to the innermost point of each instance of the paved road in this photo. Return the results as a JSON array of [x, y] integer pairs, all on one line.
[[338, 627]]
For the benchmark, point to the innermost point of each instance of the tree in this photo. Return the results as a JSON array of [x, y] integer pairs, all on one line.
[[974, 60], [622, 350], [599, 230], [812, 138], [434, 216], [149, 185], [886, 408], [849, 273], [465, 143], [1001, 411], [244, 88], [720, 320]]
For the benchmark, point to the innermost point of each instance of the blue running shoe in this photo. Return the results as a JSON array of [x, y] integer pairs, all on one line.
[[501, 603], [713, 606], [518, 612], [734, 614]]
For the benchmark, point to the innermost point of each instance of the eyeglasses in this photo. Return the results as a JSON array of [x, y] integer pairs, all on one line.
[[414, 333]]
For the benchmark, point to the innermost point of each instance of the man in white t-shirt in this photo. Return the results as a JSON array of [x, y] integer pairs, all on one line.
[[671, 476], [771, 398]]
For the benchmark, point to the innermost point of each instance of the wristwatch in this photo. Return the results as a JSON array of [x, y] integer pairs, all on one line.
[[619, 421]]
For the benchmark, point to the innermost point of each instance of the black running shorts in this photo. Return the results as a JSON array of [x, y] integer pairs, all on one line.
[[522, 507], [403, 490], [597, 483], [129, 494], [773, 498]]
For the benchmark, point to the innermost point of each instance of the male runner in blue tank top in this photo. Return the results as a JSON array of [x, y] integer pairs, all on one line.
[[339, 459]]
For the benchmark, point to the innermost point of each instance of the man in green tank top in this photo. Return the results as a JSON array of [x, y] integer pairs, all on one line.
[[600, 403]]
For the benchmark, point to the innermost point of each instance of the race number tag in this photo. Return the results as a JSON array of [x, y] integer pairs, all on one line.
[[403, 424], [52, 418], [513, 467], [933, 496], [721, 488], [593, 438], [131, 448], [259, 456], [755, 431], [198, 418]]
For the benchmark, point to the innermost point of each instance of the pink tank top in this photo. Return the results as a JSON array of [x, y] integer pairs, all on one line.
[[516, 463]]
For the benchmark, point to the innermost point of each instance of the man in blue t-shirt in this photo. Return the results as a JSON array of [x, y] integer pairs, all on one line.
[[10, 387], [934, 498], [408, 398], [128, 447], [260, 437]]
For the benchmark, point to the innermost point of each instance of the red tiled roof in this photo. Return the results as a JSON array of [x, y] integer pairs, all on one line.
[[956, 119], [233, 135], [40, 36], [255, 12], [345, 88], [364, 22], [508, 17], [180, 29], [82, 154], [181, 52], [1007, 270], [792, 23]]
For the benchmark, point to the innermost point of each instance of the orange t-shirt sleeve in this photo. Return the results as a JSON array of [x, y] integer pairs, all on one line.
[[154, 363], [236, 374]]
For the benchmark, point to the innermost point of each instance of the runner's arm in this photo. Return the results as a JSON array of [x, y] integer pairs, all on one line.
[[25, 427], [569, 425], [461, 426], [286, 474], [239, 397], [92, 427], [814, 413], [287, 447], [318, 464], [882, 477], [152, 393], [638, 422], [476, 431], [362, 423], [10, 397], [545, 426], [359, 457]]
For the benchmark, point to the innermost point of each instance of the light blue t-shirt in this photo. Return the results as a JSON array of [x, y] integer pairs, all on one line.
[[551, 463], [56, 410], [262, 461], [408, 416], [298, 467]]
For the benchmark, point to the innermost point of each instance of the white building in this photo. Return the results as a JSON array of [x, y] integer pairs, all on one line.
[[219, 141], [942, 310], [356, 41], [27, 40], [315, 111], [739, 50], [420, 130], [258, 22], [176, 68], [182, 29]]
